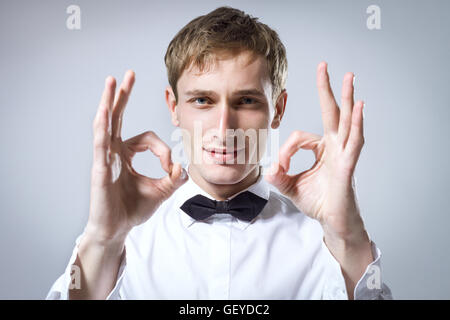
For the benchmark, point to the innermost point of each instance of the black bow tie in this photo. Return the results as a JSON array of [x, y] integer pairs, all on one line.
[[245, 206]]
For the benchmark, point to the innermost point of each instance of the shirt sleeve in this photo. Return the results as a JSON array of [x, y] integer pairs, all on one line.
[[369, 287], [68, 280]]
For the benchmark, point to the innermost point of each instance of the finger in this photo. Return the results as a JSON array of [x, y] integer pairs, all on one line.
[[101, 125], [356, 138], [276, 175], [120, 103], [330, 110], [149, 140], [175, 178], [345, 119], [167, 185], [297, 140]]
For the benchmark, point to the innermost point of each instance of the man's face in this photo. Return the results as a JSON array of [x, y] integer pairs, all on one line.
[[224, 127]]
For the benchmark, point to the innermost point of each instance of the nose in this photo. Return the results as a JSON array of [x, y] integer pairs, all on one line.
[[226, 121]]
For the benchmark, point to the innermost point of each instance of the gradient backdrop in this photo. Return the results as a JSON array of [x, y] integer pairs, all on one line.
[[52, 79]]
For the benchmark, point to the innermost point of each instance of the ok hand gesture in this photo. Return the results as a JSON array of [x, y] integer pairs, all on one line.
[[121, 198], [326, 191]]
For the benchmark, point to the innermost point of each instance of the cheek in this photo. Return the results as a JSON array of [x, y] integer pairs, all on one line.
[[193, 125], [255, 120], [260, 122]]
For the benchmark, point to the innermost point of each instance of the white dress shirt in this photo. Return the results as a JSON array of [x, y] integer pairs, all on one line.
[[278, 255]]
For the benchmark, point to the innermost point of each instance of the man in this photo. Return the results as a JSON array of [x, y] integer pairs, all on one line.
[[217, 231]]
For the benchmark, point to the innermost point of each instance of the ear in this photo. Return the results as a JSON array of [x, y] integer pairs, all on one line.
[[172, 105], [279, 109]]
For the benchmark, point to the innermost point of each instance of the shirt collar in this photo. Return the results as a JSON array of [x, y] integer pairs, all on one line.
[[190, 189]]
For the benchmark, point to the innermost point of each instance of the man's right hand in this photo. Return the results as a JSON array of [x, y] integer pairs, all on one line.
[[121, 198]]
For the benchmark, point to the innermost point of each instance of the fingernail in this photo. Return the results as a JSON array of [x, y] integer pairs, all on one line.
[[354, 77], [364, 106], [183, 174]]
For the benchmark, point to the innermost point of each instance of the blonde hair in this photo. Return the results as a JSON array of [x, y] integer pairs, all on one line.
[[228, 29]]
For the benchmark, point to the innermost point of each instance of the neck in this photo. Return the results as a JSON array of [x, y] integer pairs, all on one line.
[[222, 192]]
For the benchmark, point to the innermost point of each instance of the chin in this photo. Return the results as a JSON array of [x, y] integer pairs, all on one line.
[[223, 173]]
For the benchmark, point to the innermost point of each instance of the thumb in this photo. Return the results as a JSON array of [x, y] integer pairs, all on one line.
[[176, 177]]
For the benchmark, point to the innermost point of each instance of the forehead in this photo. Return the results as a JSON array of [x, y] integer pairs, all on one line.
[[232, 71]]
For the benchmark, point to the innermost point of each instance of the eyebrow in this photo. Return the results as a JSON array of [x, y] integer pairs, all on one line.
[[252, 92]]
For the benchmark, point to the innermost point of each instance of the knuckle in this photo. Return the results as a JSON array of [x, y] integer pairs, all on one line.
[[322, 85], [100, 146], [297, 134], [358, 143], [149, 136], [149, 133], [346, 121], [166, 148], [346, 96], [100, 141]]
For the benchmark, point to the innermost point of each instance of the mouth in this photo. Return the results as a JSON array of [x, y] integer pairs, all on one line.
[[222, 155]]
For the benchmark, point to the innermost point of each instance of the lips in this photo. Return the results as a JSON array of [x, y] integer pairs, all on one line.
[[222, 155], [221, 151]]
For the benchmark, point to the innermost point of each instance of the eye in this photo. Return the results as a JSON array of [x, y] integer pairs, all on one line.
[[246, 99], [200, 99]]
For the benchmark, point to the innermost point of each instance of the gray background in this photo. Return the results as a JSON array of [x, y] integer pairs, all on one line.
[[52, 78]]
